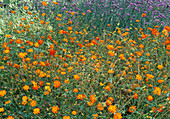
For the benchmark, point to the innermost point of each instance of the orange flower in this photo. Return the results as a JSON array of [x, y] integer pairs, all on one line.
[[168, 47], [36, 44], [110, 71], [66, 117], [157, 91], [18, 41], [70, 28], [110, 47], [43, 14], [52, 51], [132, 109], [160, 67], [1, 109], [149, 98], [160, 81], [92, 98], [74, 112], [155, 32], [112, 108], [121, 56], [107, 88], [57, 84], [41, 22], [135, 95], [25, 87], [117, 115], [36, 111], [44, 3], [7, 102], [77, 77], [33, 103], [108, 102], [167, 28], [100, 107], [89, 103], [26, 8], [143, 15], [75, 90], [40, 42], [55, 109], [111, 53], [10, 117], [138, 77]]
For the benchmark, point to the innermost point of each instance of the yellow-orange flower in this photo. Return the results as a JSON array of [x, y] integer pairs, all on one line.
[[44, 3], [112, 108], [117, 115], [22, 55], [138, 77], [157, 91], [2, 93], [92, 98], [36, 111], [57, 84], [74, 112], [25, 87], [77, 77], [149, 98], [110, 47], [33, 103], [160, 67], [66, 117], [132, 109], [1, 109], [55, 109], [10, 117]]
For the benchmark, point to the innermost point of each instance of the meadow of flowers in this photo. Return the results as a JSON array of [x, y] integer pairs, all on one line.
[[91, 59]]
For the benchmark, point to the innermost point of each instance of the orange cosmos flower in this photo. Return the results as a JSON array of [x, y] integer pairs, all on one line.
[[132, 109], [70, 28], [75, 90], [33, 103], [66, 117], [138, 77], [55, 109], [157, 91], [57, 84], [143, 15], [111, 53], [2, 93], [160, 81], [112, 108], [108, 102], [168, 47], [100, 107], [160, 67], [167, 28], [25, 87], [77, 77], [52, 52], [44, 3], [1, 109], [26, 8], [149, 98], [117, 115], [10, 117], [36, 111], [110, 47], [135, 95], [74, 112], [92, 98], [40, 42], [121, 56]]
